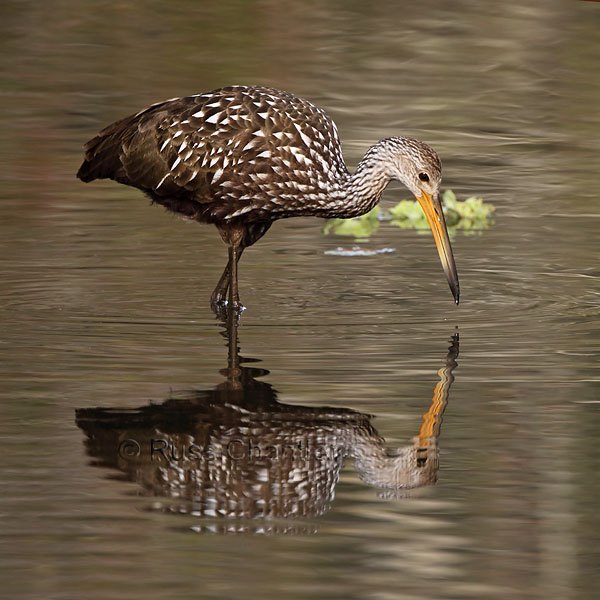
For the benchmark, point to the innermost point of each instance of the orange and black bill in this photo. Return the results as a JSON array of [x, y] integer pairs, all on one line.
[[435, 217]]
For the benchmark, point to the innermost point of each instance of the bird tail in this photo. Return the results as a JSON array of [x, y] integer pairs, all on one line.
[[103, 153]]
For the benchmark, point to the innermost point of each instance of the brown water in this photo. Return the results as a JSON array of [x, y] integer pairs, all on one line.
[[108, 341]]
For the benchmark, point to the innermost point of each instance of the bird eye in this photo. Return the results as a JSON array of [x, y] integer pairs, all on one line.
[[423, 177]]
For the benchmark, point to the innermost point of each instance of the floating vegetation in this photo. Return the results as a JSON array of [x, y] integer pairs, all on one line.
[[359, 228], [358, 251], [470, 216]]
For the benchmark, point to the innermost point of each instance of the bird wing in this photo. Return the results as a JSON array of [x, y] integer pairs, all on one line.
[[248, 146]]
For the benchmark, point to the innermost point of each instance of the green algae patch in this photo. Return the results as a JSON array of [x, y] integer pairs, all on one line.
[[470, 216]]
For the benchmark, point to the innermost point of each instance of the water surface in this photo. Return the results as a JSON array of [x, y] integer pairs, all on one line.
[[107, 333]]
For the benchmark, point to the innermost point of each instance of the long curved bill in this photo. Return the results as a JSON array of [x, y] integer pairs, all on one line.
[[432, 207]]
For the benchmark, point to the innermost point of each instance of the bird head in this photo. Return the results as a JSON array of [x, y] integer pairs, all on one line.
[[419, 168]]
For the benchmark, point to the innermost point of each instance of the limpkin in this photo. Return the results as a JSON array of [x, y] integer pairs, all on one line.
[[242, 157]]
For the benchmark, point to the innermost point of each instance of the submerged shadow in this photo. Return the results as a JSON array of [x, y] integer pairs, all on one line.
[[236, 452]]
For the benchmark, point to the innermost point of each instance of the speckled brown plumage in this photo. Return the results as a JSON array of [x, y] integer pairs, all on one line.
[[242, 157]]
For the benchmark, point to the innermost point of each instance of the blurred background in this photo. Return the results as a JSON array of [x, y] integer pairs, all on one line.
[[104, 304]]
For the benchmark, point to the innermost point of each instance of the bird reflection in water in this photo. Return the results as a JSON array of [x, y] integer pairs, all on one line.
[[235, 453]]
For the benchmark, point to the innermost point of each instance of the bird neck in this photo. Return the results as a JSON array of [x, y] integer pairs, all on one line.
[[363, 189]]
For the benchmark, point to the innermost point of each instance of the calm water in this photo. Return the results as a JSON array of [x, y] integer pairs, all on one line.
[[107, 339]]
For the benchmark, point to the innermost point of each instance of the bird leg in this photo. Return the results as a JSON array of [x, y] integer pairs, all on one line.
[[234, 299], [237, 237], [219, 296]]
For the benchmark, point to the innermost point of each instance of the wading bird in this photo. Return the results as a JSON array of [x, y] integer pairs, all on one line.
[[242, 157]]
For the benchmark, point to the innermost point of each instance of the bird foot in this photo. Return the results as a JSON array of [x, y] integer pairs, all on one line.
[[219, 297], [236, 305], [223, 308]]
